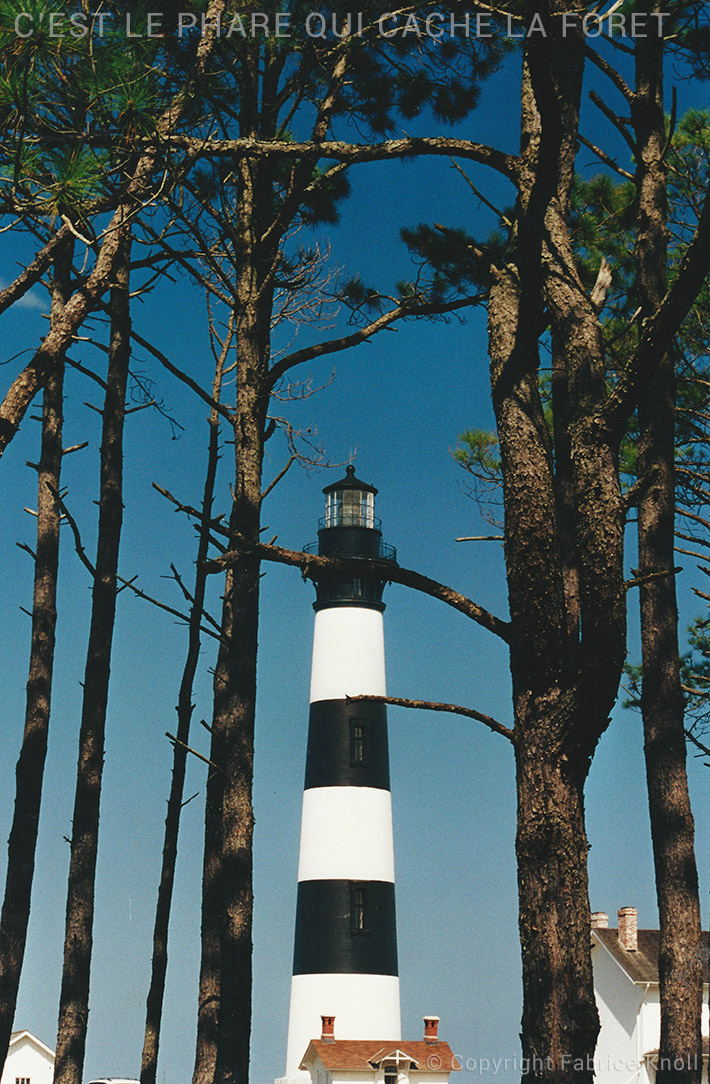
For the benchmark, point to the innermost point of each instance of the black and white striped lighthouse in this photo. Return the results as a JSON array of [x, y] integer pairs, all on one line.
[[345, 954]]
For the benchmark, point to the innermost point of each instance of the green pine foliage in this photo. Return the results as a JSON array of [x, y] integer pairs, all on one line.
[[73, 106]]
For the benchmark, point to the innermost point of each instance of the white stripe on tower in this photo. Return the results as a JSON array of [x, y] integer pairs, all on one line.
[[345, 952], [348, 653]]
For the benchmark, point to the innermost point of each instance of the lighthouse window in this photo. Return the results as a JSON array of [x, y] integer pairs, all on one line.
[[358, 910], [359, 742], [333, 506], [350, 508], [368, 509]]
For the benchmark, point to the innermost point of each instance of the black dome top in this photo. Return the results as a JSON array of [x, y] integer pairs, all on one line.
[[350, 482]]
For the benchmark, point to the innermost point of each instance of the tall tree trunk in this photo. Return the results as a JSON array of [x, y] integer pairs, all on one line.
[[30, 766], [74, 995], [563, 552], [224, 1021], [672, 829], [560, 1022], [156, 992], [209, 990], [224, 1018]]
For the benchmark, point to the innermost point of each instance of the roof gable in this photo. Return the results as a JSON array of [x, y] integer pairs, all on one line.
[[640, 966], [367, 1054], [397, 1056], [19, 1036]]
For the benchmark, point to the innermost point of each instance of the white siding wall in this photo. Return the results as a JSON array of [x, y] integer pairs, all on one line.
[[25, 1059], [618, 1057], [630, 1017], [415, 1077]]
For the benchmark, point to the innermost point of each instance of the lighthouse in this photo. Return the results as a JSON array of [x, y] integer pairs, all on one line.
[[345, 950]]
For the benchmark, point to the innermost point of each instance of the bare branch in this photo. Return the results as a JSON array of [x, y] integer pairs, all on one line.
[[605, 158], [435, 705], [638, 580], [191, 600], [176, 741], [337, 150], [279, 476], [614, 119], [33, 272], [479, 195], [699, 745], [402, 311], [214, 523], [192, 384], [603, 65], [168, 609], [78, 546], [311, 564]]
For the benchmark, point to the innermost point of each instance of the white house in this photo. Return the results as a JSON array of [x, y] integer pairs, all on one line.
[[377, 1061], [625, 963], [29, 1061]]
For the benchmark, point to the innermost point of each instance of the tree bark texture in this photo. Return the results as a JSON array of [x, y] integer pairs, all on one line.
[[74, 995], [662, 707], [224, 1021], [563, 552], [560, 1023], [30, 766]]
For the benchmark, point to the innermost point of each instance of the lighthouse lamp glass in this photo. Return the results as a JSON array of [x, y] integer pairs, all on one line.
[[350, 508]]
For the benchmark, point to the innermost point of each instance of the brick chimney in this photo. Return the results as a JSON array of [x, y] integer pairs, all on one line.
[[628, 923], [600, 920], [327, 1030], [431, 1029]]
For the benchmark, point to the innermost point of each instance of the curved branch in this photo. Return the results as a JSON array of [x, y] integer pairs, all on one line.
[[310, 564], [435, 705], [332, 346], [341, 151], [408, 147]]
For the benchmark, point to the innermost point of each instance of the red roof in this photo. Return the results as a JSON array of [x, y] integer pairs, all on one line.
[[354, 1054]]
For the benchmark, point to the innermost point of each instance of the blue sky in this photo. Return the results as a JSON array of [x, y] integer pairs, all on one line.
[[396, 405]]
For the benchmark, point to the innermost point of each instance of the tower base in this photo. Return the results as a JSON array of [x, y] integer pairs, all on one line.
[[364, 1007]]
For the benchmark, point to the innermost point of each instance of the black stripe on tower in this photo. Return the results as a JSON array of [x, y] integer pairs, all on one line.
[[364, 588], [347, 745], [345, 927], [340, 590]]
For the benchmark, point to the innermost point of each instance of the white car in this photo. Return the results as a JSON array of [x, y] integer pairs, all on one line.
[[113, 1080]]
